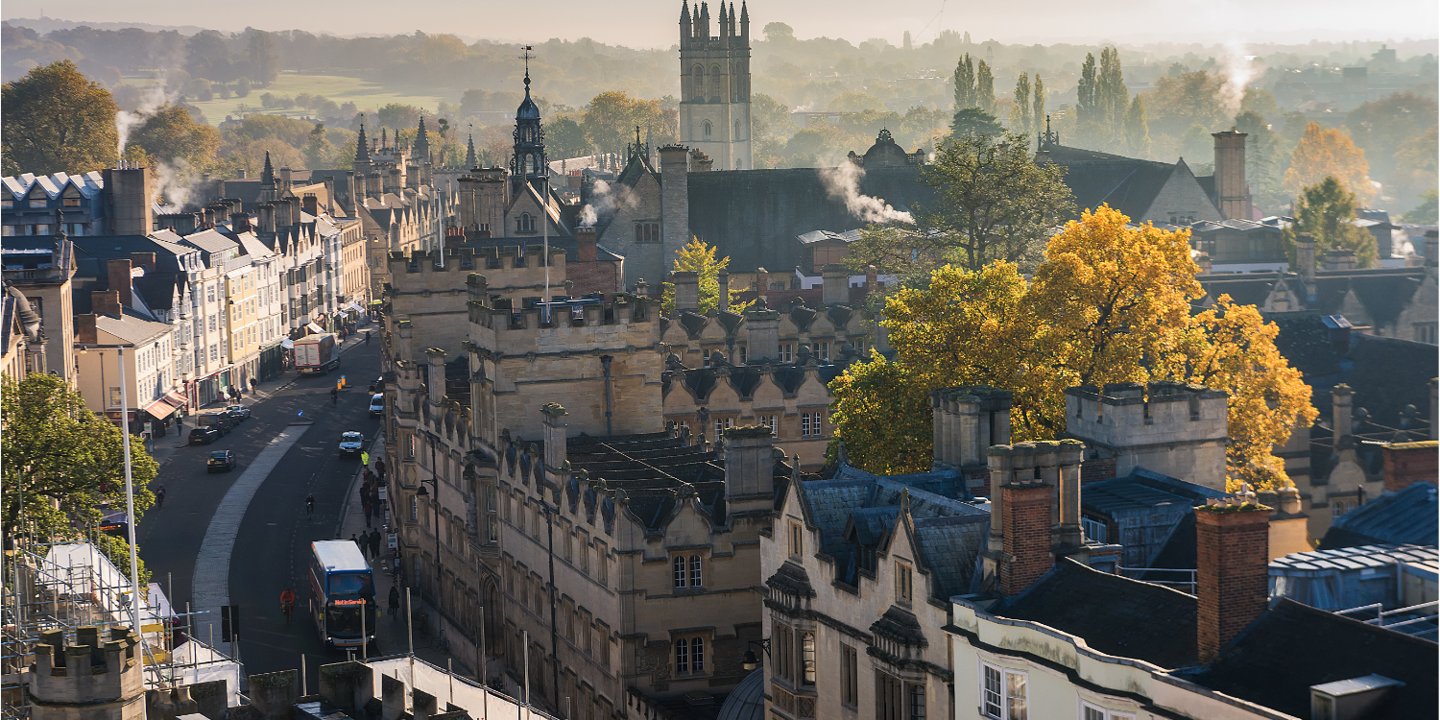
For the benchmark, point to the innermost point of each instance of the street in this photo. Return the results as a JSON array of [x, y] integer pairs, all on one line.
[[267, 545]]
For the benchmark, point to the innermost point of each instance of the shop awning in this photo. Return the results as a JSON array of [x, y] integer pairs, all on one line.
[[314, 329], [287, 343], [162, 408], [357, 307]]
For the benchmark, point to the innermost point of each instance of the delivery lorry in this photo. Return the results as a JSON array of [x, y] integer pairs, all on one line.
[[317, 354]]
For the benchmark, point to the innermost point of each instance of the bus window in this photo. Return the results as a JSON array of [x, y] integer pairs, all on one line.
[[351, 584]]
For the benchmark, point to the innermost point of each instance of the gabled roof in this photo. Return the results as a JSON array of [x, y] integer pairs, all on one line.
[[130, 327], [89, 184], [211, 241], [1293, 647], [1112, 614], [1410, 516], [1125, 184]]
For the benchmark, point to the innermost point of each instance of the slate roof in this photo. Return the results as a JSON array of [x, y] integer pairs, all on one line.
[[1276, 660], [1389, 374], [131, 327], [1113, 614], [1126, 184], [1409, 516], [89, 184]]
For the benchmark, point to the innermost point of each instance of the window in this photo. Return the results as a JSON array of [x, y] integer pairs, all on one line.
[[414, 508], [1338, 508], [708, 128], [889, 697], [807, 658], [686, 571], [1003, 694], [787, 351], [797, 540], [804, 424], [679, 565], [114, 397], [903, 580], [647, 231], [812, 424], [822, 350], [695, 577], [917, 701], [525, 223], [585, 558], [783, 647], [682, 656], [1095, 712], [1094, 529], [604, 561], [569, 546], [849, 676]]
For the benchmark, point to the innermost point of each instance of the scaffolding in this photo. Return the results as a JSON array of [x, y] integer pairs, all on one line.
[[72, 585]]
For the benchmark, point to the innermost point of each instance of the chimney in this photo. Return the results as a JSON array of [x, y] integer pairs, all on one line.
[[1069, 535], [764, 328], [117, 271], [762, 282], [435, 380], [266, 218], [312, 204], [1340, 259], [284, 188], [1340, 415], [105, 302], [1203, 260], [555, 453], [1409, 463], [835, 281], [330, 195], [723, 279], [872, 279], [209, 217], [1305, 260], [1232, 558], [240, 222], [85, 333], [392, 181], [749, 468], [373, 185], [1231, 192], [182, 223], [1025, 509], [128, 189], [687, 290], [143, 259], [674, 201], [585, 244]]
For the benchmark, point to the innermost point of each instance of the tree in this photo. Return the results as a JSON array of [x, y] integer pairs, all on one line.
[[985, 88], [611, 118], [399, 116], [1415, 165], [779, 33], [1381, 126], [964, 83], [1086, 113], [770, 118], [1263, 155], [1020, 108], [1110, 303], [62, 461], [992, 202], [973, 121], [54, 120], [1197, 144], [1427, 212], [1327, 153], [1177, 102], [564, 138], [851, 101], [699, 257], [264, 58], [1326, 210], [170, 135], [881, 415], [318, 150], [1112, 95], [1038, 116], [1137, 129]]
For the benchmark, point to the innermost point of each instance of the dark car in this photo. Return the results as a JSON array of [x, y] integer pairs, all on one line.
[[220, 460], [377, 384], [237, 412], [219, 420], [204, 435]]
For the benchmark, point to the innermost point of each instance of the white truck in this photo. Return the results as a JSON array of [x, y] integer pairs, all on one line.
[[317, 354]]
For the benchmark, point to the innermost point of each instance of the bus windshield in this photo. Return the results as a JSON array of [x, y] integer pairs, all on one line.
[[345, 620], [351, 584]]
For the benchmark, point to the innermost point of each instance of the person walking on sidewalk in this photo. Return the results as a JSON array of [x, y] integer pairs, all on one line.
[[369, 510], [394, 601], [375, 544]]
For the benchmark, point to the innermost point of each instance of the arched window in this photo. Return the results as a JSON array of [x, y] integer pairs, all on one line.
[[526, 224], [679, 565], [699, 83], [695, 571], [708, 128]]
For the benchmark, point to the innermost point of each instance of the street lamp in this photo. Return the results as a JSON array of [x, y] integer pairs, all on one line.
[[750, 661], [435, 528]]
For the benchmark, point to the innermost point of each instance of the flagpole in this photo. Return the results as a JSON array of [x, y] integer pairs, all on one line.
[[129, 497]]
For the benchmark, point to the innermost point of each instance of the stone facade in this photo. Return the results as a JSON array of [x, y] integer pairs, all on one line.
[[715, 84], [1173, 429], [93, 679]]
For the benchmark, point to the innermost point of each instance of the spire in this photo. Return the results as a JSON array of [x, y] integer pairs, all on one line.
[[470, 153], [422, 143], [684, 12], [695, 21], [362, 147], [267, 176], [724, 20], [733, 19], [384, 139]]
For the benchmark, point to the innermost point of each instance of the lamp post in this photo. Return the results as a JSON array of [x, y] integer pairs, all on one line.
[[435, 528], [750, 660]]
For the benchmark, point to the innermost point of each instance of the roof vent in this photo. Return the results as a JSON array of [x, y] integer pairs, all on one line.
[[1348, 699]]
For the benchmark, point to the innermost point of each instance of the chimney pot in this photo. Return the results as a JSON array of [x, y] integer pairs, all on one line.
[[1232, 572]]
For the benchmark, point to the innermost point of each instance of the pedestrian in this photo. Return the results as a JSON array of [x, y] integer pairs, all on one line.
[[309, 505], [375, 543], [367, 338], [394, 601], [369, 510], [254, 384], [365, 459], [380, 469]]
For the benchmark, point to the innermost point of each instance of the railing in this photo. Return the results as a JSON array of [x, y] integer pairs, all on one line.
[[1381, 614], [1187, 585]]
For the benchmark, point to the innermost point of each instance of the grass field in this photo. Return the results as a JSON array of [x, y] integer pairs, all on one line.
[[340, 88]]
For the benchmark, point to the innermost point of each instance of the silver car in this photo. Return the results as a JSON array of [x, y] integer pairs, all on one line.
[[351, 443]]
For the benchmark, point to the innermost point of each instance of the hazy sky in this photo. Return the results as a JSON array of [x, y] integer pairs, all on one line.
[[652, 23]]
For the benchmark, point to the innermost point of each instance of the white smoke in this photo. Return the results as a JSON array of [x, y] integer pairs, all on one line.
[[154, 97], [587, 216], [172, 184], [603, 202], [843, 183], [1238, 70]]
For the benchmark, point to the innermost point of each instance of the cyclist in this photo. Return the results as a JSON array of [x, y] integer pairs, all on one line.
[[334, 396], [287, 603], [309, 505], [159, 497]]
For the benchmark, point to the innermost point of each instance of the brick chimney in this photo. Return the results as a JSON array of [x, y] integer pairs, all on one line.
[[117, 271], [312, 204], [762, 282], [1232, 558], [105, 302], [1409, 463], [687, 290], [265, 213], [585, 244], [1339, 259], [835, 285], [1025, 507], [85, 332], [143, 259], [240, 222], [1231, 190]]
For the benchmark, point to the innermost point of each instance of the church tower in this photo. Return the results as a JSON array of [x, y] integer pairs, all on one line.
[[527, 165], [715, 84]]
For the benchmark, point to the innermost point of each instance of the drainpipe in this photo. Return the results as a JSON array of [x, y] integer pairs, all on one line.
[[605, 363]]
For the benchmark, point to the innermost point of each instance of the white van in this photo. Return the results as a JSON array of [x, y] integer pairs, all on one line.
[[377, 405]]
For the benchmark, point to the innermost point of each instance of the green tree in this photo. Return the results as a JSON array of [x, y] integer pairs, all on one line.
[[964, 83], [54, 120], [1087, 114], [1137, 129], [318, 150], [170, 135], [985, 88], [699, 257], [882, 414], [1415, 169], [62, 461], [1176, 103], [770, 118], [974, 121], [1382, 126], [399, 116], [1427, 212], [1038, 115], [1020, 108], [992, 202], [565, 138], [779, 33], [264, 58], [1264, 155], [1326, 210], [1113, 96]]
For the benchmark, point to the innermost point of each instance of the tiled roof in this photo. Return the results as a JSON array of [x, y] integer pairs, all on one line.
[[211, 241], [1113, 614], [131, 328], [1126, 184], [950, 547], [1293, 647], [1409, 516], [88, 184]]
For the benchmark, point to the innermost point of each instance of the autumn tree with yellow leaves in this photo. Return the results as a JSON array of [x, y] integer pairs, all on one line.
[[1322, 153], [698, 257], [1109, 304]]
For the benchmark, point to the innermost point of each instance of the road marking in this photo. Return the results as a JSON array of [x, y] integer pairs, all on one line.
[[210, 586]]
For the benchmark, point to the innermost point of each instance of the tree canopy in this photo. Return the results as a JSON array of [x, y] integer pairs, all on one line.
[[1325, 153], [1326, 210], [170, 135], [55, 120], [699, 257], [1110, 303]]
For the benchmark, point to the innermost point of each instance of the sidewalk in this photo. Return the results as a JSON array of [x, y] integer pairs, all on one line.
[[165, 447]]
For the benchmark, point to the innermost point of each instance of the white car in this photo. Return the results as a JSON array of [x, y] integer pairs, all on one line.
[[351, 443], [377, 405]]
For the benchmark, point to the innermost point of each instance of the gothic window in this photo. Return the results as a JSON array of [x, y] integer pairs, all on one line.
[[708, 128], [647, 231], [526, 223], [736, 136], [698, 90]]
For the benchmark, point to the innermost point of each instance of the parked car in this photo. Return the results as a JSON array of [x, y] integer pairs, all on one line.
[[220, 460], [219, 420], [204, 435], [238, 412], [377, 384], [377, 405], [351, 443]]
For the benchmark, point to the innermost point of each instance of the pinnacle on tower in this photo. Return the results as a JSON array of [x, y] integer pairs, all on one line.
[[267, 176], [422, 143], [724, 22], [684, 12], [732, 20], [384, 139], [470, 153], [362, 147]]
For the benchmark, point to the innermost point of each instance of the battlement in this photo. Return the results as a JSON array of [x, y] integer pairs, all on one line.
[[968, 419], [1173, 428], [528, 313], [89, 671]]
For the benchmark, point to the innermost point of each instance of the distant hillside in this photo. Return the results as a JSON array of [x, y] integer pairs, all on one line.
[[46, 24]]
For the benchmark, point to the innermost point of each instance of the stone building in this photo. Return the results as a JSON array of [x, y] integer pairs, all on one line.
[[715, 84], [1170, 428], [93, 679], [42, 270]]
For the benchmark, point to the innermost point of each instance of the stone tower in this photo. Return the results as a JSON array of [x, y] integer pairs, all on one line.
[[715, 84], [1232, 193], [422, 144], [96, 678], [528, 162]]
